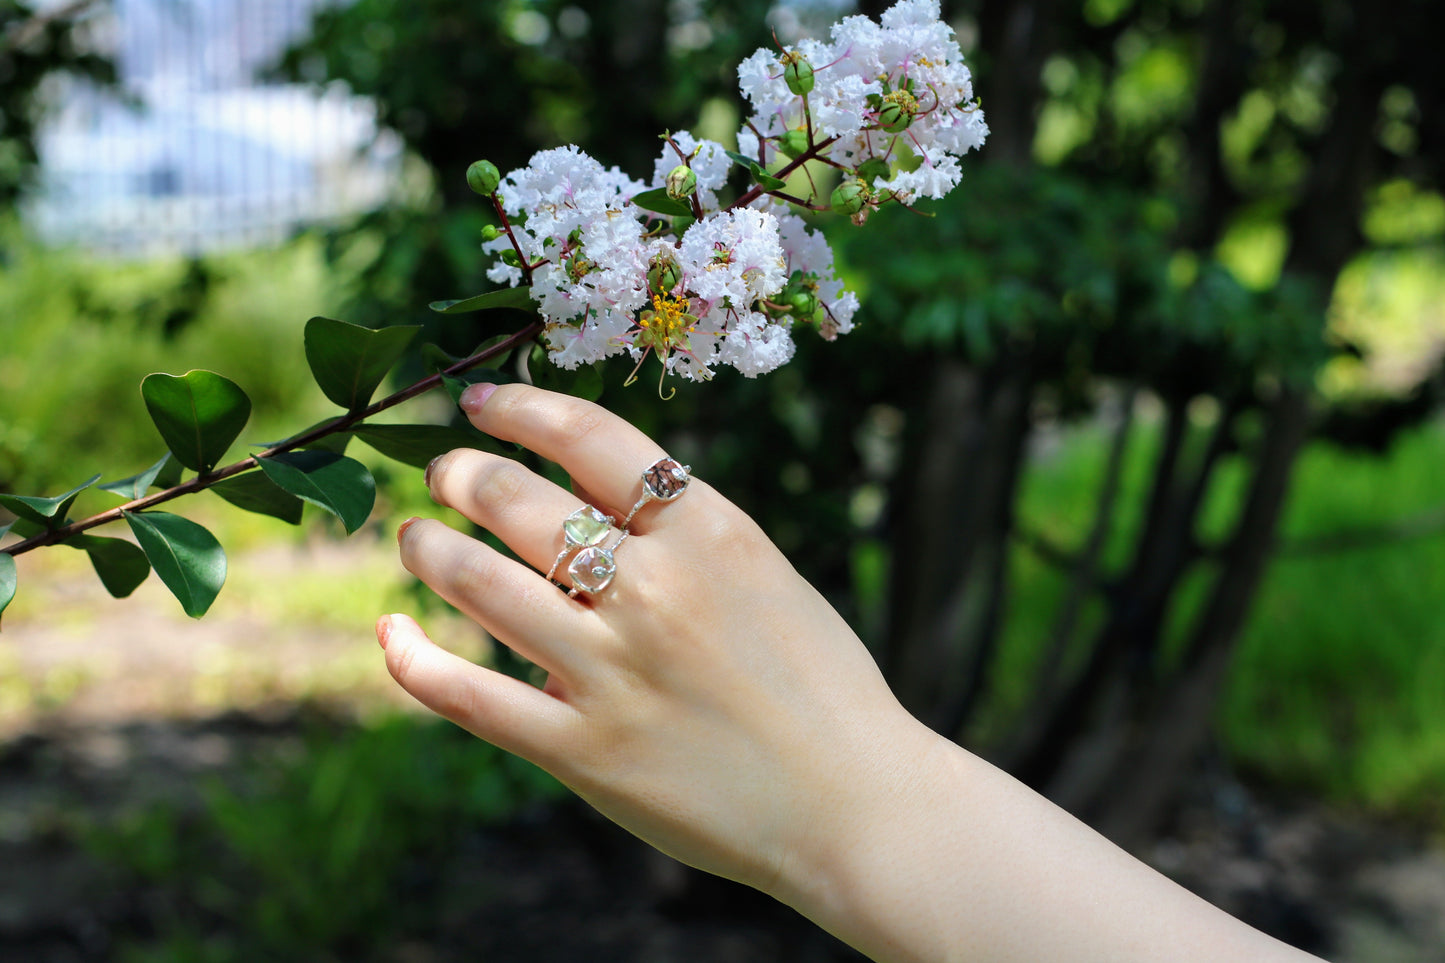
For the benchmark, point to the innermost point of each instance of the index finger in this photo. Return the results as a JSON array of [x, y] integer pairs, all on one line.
[[603, 453]]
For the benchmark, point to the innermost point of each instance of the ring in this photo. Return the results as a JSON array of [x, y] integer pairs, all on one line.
[[663, 481], [584, 528], [592, 568]]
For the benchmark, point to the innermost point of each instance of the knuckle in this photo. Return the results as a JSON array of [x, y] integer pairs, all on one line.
[[501, 485], [576, 421], [458, 702], [474, 576]]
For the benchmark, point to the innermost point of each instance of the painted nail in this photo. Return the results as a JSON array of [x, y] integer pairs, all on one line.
[[401, 529], [475, 396], [383, 630], [426, 476]]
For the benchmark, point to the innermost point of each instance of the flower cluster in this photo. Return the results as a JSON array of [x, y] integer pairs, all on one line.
[[891, 102], [616, 265]]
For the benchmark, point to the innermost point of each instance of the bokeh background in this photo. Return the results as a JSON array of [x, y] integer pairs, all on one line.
[[1130, 475]]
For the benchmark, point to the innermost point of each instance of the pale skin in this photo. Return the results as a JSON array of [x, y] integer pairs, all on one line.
[[712, 703]]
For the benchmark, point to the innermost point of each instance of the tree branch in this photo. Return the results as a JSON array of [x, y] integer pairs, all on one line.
[[336, 425]]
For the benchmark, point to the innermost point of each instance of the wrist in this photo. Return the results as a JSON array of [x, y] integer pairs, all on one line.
[[857, 865]]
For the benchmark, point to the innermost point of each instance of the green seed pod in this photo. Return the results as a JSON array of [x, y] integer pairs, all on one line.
[[849, 197], [793, 143], [483, 177], [803, 302], [894, 117], [491, 232], [681, 182], [797, 73], [509, 256], [663, 275], [872, 169]]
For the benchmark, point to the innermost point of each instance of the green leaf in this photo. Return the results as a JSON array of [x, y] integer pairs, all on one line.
[[253, 491], [758, 172], [454, 387], [49, 512], [23, 528], [186, 557], [338, 484], [120, 565], [518, 297], [198, 415], [418, 444], [658, 202], [7, 579], [335, 442], [349, 361], [136, 486], [768, 181], [438, 360]]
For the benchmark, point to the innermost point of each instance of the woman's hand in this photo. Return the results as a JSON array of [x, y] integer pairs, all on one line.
[[708, 700]]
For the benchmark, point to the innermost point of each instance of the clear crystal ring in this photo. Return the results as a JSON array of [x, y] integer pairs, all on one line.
[[663, 481], [593, 567], [584, 529]]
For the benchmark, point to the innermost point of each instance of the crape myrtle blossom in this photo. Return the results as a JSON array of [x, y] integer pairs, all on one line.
[[895, 92], [664, 268]]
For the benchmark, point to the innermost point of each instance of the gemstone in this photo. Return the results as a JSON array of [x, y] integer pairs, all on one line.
[[665, 480], [592, 569], [586, 526]]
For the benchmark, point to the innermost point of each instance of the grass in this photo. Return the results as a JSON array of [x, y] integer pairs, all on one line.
[[1337, 686], [80, 335]]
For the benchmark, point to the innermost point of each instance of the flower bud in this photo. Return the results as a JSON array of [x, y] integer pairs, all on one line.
[[483, 177], [793, 143], [509, 256], [849, 197], [681, 182], [797, 73], [872, 169], [491, 232]]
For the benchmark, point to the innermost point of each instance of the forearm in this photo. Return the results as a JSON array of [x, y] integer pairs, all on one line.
[[952, 859]]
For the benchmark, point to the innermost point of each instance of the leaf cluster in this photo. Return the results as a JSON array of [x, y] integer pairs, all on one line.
[[199, 415], [1083, 280]]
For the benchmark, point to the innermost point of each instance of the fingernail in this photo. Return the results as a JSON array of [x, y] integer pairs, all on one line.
[[401, 529], [474, 396], [426, 476], [383, 630]]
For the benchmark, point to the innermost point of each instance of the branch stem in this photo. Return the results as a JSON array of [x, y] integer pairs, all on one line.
[[339, 424]]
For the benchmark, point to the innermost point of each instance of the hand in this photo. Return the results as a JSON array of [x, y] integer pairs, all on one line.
[[708, 700]]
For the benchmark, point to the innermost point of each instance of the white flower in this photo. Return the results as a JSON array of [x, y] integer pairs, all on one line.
[[935, 177], [756, 345], [732, 258]]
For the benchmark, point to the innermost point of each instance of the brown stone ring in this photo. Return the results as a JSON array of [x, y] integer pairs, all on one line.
[[663, 481]]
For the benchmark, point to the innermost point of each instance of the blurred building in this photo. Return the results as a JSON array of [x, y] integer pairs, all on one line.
[[195, 153]]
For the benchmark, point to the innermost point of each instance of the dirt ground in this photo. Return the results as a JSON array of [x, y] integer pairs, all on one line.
[[108, 706]]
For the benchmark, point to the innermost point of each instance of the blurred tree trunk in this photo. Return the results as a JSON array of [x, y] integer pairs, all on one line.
[[950, 541]]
